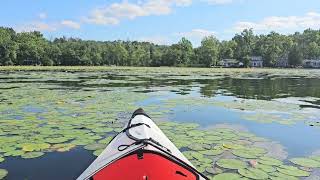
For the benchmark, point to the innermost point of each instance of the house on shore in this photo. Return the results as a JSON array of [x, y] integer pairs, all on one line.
[[256, 61], [282, 62], [230, 63], [311, 63]]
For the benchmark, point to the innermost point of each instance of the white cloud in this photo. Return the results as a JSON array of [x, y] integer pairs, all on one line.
[[36, 26], [114, 13], [43, 15], [278, 23], [196, 33], [70, 24], [48, 27]]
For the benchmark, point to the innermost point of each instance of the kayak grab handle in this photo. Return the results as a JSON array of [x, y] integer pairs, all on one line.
[[135, 125], [139, 111]]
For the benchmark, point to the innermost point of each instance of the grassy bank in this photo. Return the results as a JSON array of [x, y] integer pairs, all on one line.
[[106, 68], [250, 72]]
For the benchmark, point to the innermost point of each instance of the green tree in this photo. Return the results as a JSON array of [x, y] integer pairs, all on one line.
[[227, 49], [209, 51], [8, 47], [245, 45], [186, 52], [295, 56], [30, 48]]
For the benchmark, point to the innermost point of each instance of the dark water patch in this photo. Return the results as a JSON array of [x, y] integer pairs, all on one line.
[[52, 166]]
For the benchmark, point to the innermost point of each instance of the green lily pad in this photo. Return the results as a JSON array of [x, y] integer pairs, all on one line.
[[3, 173], [232, 146], [317, 158], [269, 161], [57, 140], [253, 173], [14, 153], [199, 147], [35, 147], [226, 176], [197, 155], [280, 176], [188, 154], [1, 159], [244, 154], [62, 147], [306, 162], [31, 155], [266, 168], [292, 171], [213, 138], [212, 152], [231, 164], [98, 152], [106, 140]]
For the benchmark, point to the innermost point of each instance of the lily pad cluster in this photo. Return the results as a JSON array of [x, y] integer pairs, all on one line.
[[3, 173], [35, 119], [223, 153]]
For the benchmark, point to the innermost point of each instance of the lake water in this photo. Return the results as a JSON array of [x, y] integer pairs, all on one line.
[[73, 108]]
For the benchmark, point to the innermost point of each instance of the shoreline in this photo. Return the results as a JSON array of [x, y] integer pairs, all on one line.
[[162, 68]]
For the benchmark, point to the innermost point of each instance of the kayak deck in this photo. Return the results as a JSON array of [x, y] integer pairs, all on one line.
[[144, 166]]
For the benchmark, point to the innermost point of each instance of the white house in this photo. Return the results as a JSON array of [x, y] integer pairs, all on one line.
[[311, 63], [256, 61]]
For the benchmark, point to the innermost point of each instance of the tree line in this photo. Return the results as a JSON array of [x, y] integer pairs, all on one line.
[[32, 48]]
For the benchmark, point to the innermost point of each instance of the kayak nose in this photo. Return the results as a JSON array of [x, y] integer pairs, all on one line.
[[139, 111]]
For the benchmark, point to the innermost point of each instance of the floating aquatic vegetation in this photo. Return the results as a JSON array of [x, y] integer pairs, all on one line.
[[199, 147], [270, 161], [306, 162], [281, 176], [231, 163], [14, 153], [253, 173], [212, 152], [3, 173], [292, 171], [62, 147], [232, 152], [265, 168], [98, 152], [35, 147], [227, 176], [244, 154], [106, 140], [94, 146], [315, 157], [31, 155]]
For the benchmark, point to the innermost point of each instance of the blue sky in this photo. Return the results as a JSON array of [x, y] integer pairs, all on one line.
[[159, 21]]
